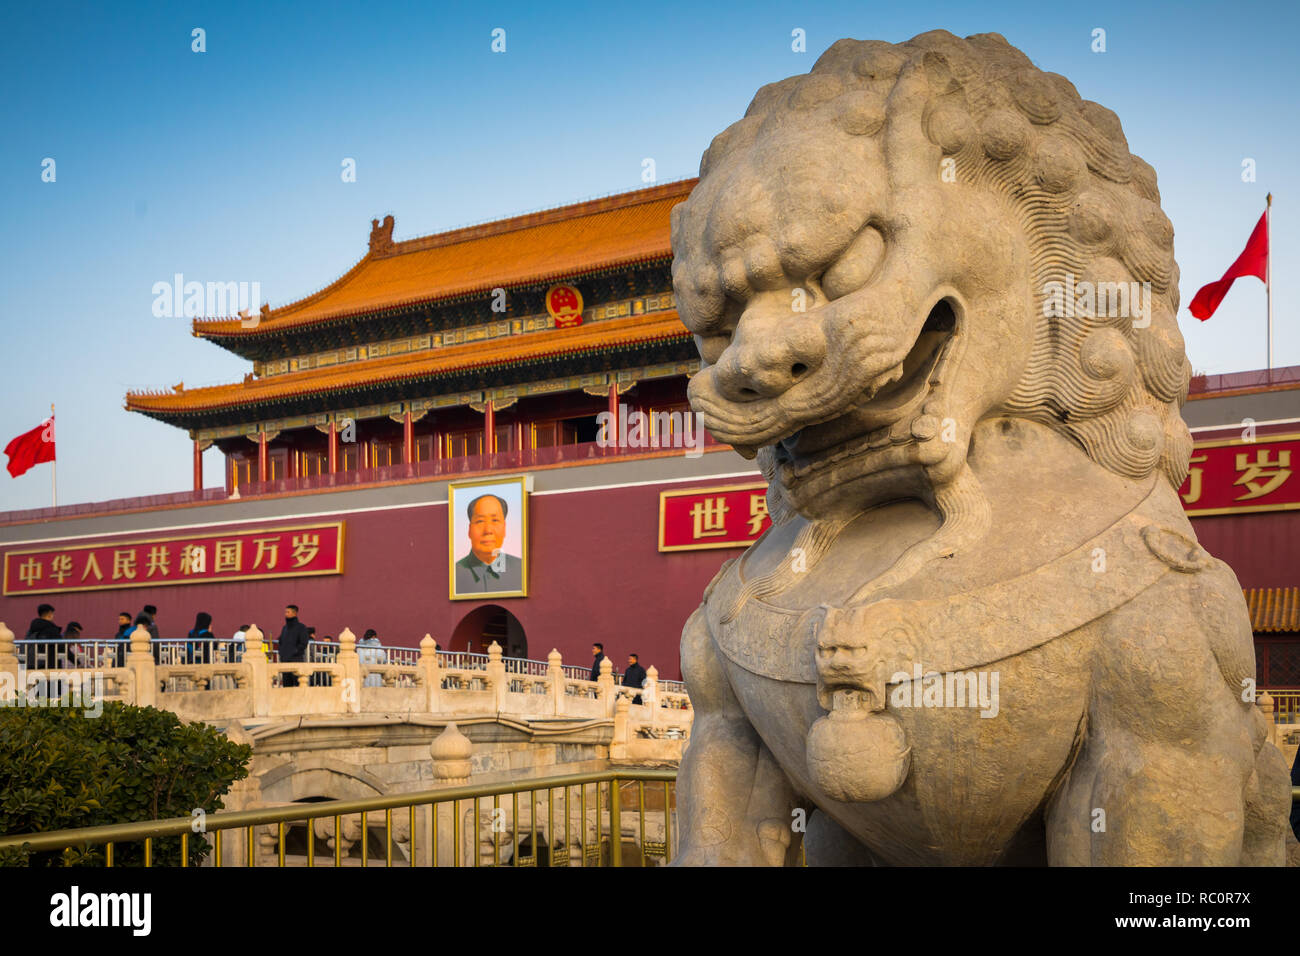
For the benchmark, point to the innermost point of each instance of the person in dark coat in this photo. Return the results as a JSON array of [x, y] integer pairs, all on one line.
[[292, 642], [634, 676], [597, 655], [75, 654], [144, 620], [199, 648], [41, 630], [152, 625], [122, 638]]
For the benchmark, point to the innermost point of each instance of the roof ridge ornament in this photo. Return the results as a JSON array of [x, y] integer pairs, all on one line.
[[381, 236]]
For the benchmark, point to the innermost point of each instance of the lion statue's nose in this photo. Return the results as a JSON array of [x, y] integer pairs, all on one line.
[[770, 350]]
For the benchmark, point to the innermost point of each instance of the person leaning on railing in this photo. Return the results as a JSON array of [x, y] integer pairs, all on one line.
[[42, 630], [634, 676], [75, 655], [322, 651], [235, 646], [371, 653], [198, 649]]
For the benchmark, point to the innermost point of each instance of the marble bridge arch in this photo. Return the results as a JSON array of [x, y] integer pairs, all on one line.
[[352, 729]]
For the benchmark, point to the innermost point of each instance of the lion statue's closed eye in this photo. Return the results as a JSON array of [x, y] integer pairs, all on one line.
[[935, 295]]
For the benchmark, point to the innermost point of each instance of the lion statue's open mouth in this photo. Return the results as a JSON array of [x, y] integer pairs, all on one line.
[[895, 409]]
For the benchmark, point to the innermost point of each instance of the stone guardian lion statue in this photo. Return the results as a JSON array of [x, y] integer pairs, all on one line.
[[935, 294]]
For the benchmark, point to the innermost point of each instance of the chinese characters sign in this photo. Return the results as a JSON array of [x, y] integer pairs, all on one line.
[[1235, 476], [728, 517], [201, 558]]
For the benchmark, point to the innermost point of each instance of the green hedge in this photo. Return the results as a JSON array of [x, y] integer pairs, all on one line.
[[61, 768]]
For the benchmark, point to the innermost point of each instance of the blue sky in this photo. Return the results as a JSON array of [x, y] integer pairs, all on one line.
[[225, 165]]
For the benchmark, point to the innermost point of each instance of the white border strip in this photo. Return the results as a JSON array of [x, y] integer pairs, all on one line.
[[352, 511], [1242, 424]]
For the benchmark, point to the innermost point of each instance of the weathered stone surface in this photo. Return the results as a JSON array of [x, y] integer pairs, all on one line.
[[935, 295]]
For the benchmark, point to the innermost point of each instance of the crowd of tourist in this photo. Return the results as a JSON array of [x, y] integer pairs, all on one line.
[[46, 645]]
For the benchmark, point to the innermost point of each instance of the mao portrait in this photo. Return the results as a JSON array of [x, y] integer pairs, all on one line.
[[488, 525]]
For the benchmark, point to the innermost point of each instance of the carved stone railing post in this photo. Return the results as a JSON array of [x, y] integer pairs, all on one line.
[[244, 794], [605, 683], [143, 675], [650, 693], [8, 666], [555, 676], [259, 674], [622, 730], [431, 675], [451, 754], [351, 682], [496, 675]]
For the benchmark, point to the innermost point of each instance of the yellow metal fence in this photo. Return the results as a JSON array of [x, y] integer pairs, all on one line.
[[1286, 705], [613, 796], [441, 827]]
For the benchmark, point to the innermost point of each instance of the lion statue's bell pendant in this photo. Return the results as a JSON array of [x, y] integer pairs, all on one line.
[[857, 756]]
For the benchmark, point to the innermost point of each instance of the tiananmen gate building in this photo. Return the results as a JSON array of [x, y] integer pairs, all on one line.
[[448, 382]]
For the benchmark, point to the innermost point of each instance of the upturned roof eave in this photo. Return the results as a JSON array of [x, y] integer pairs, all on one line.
[[232, 338], [332, 389]]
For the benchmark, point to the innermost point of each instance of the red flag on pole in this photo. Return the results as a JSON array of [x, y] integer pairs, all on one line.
[[31, 448], [1253, 261]]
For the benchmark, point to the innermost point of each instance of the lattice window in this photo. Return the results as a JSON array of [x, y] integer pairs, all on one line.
[[1279, 664], [469, 442], [242, 471], [387, 453]]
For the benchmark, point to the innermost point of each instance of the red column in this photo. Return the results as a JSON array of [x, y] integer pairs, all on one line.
[[334, 448], [261, 456], [408, 439], [198, 467], [489, 428], [611, 440]]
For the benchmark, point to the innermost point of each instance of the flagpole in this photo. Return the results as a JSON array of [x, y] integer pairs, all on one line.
[[1268, 280], [54, 468]]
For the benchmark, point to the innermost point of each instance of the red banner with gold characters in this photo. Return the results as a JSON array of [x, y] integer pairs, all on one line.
[[200, 558], [732, 516], [1235, 476]]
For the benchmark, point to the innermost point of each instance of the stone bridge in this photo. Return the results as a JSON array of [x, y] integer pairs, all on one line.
[[353, 729]]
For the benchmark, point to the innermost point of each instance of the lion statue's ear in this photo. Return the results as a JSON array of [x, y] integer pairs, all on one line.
[[938, 74]]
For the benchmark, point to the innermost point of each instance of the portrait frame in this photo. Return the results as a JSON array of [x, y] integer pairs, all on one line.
[[513, 489]]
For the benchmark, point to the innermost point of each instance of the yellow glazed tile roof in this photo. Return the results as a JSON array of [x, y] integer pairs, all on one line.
[[539, 247], [1273, 609]]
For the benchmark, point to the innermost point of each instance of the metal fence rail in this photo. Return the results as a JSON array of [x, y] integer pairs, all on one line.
[[1286, 705], [595, 837]]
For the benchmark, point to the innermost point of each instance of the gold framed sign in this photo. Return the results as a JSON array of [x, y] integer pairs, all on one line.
[[204, 557], [1243, 476], [724, 516], [487, 538]]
